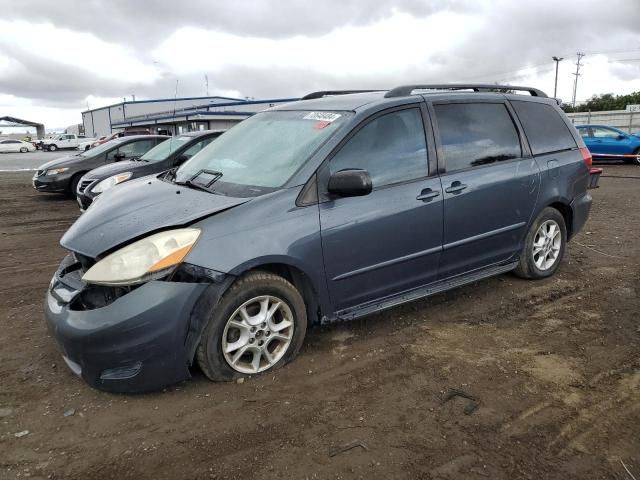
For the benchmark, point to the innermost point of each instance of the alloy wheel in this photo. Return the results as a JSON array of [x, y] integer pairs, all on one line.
[[546, 245], [257, 334]]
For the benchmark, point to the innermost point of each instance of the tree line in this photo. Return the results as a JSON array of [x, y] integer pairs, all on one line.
[[605, 101]]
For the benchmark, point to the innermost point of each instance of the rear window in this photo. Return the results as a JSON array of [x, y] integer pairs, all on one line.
[[475, 134], [545, 129]]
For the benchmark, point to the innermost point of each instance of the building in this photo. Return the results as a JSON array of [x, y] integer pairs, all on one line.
[[173, 116]]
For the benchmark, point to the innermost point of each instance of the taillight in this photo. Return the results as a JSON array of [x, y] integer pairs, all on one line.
[[586, 156]]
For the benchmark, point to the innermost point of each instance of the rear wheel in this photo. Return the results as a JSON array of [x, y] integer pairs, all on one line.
[[636, 160], [544, 246], [258, 325]]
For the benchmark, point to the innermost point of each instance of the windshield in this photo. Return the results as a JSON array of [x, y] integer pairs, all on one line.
[[163, 150], [99, 149], [262, 152]]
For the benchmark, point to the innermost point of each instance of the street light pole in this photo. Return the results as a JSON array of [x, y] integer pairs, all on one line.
[[555, 87]]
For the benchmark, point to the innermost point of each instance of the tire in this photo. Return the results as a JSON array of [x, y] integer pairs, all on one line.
[[530, 265], [251, 291], [73, 184], [24, 149], [52, 148], [87, 147], [634, 161]]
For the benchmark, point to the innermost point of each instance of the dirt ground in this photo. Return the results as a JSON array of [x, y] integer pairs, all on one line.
[[554, 367]]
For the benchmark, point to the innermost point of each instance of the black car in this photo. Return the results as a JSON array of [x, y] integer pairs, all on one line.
[[164, 156], [62, 175], [322, 210]]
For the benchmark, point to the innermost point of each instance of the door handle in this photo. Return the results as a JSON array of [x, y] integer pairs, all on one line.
[[455, 187], [427, 194]]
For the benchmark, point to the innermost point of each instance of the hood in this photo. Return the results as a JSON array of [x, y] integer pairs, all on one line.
[[110, 169], [62, 161], [137, 208]]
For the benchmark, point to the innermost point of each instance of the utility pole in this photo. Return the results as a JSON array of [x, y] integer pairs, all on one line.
[[206, 83], [575, 82], [555, 85]]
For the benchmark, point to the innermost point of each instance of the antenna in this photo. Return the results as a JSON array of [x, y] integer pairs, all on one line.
[[175, 97]]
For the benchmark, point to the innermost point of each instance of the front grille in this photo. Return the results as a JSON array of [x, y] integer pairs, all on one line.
[[82, 186]]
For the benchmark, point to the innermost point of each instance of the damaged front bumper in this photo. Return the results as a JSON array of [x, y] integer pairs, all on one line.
[[126, 340]]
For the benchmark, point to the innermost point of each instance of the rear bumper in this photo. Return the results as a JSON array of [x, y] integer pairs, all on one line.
[[580, 207], [135, 343]]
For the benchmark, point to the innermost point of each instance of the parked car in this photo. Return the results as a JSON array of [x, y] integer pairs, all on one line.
[[608, 143], [63, 174], [11, 145], [168, 154], [325, 209], [125, 133], [66, 141]]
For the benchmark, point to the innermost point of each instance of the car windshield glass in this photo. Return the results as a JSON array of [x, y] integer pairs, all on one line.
[[163, 150], [99, 149], [261, 153]]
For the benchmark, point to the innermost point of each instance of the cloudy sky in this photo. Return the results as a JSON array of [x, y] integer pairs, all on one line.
[[58, 57]]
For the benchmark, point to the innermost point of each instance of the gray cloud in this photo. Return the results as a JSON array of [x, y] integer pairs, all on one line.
[[148, 22], [512, 34]]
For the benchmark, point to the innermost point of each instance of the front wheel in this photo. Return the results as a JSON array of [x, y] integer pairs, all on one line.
[[24, 149], [258, 325], [52, 148], [544, 246]]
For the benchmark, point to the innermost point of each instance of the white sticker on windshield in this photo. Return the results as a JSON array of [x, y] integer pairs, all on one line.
[[322, 116]]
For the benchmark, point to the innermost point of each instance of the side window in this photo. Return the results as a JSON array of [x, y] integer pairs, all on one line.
[[600, 132], [544, 127], [475, 134], [195, 148], [392, 148], [584, 132], [137, 148]]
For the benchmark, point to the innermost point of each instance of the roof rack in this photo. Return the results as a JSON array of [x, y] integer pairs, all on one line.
[[405, 90], [325, 93]]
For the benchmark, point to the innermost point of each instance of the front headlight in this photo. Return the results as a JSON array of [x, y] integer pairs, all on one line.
[[57, 171], [107, 183], [144, 260]]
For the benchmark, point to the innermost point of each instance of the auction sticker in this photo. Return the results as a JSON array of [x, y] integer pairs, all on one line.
[[322, 116]]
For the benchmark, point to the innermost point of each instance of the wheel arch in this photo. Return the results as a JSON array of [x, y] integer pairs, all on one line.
[[293, 274], [567, 213]]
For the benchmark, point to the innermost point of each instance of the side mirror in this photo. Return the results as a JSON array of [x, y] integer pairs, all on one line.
[[350, 183], [622, 137], [119, 156]]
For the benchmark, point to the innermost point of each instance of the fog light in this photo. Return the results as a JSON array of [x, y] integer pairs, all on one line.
[[121, 373]]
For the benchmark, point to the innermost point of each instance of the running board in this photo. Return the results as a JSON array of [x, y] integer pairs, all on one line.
[[420, 292]]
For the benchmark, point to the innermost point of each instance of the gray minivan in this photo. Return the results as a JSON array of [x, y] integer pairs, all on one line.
[[325, 209]]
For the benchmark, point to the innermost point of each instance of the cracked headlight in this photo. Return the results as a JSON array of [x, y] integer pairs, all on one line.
[[107, 183], [147, 259]]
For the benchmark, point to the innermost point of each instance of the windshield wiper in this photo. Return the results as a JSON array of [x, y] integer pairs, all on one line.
[[189, 183], [215, 174]]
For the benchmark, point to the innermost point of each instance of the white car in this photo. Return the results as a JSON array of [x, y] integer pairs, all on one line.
[[11, 145]]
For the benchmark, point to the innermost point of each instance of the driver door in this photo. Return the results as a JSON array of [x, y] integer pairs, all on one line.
[[390, 240]]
